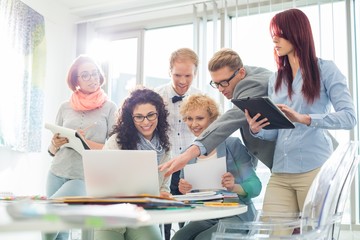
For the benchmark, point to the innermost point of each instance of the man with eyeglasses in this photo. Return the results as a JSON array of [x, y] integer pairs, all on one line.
[[233, 80]]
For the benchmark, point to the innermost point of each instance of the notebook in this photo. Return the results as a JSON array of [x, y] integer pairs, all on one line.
[[110, 173]]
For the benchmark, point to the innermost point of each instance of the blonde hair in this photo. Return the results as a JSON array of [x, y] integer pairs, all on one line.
[[200, 101], [184, 54], [225, 57]]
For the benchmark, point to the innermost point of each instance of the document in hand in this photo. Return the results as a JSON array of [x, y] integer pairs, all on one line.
[[267, 109], [214, 169], [76, 141]]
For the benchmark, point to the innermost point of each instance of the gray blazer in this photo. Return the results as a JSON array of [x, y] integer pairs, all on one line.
[[255, 84]]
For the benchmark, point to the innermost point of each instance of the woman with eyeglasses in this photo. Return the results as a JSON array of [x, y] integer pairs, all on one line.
[[142, 125], [90, 113]]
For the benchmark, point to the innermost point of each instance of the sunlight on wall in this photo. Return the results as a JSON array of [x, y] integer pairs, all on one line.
[[23, 174]]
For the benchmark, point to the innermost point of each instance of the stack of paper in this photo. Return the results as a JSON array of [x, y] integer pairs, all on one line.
[[199, 196], [145, 201]]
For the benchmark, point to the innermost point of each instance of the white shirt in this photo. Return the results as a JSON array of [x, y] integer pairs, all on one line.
[[180, 135]]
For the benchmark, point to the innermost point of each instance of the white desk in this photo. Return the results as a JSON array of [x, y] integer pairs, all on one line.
[[49, 224], [195, 214]]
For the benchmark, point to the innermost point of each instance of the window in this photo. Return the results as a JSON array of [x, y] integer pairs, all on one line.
[[122, 68], [159, 44], [22, 47]]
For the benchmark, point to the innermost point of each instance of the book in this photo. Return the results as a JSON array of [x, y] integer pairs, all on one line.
[[267, 109], [76, 141]]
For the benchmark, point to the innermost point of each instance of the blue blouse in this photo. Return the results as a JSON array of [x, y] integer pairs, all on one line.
[[305, 148]]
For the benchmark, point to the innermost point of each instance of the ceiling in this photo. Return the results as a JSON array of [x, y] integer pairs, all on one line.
[[127, 15], [92, 10]]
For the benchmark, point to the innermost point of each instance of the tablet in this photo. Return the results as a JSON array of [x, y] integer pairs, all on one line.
[[267, 109]]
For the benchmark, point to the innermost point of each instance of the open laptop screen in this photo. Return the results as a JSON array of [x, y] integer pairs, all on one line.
[[110, 173]]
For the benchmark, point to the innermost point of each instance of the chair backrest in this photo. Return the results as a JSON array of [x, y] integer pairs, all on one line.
[[344, 196], [322, 210], [322, 200], [262, 233]]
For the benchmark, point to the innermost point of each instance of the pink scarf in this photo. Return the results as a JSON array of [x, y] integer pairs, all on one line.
[[83, 102]]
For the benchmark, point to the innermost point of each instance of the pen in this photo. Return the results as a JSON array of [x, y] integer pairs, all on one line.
[[220, 204], [88, 127]]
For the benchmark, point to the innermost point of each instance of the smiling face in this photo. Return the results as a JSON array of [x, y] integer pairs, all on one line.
[[182, 73], [197, 120], [88, 78], [145, 127]]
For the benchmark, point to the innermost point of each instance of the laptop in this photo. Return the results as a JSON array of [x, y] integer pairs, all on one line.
[[110, 173]]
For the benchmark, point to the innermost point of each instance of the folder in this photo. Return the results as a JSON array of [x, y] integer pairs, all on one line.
[[76, 141], [267, 109]]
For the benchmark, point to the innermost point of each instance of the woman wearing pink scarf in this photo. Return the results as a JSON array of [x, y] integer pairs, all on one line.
[[90, 113]]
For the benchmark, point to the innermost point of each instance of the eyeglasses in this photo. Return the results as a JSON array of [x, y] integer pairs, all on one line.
[[149, 117], [86, 76], [224, 83]]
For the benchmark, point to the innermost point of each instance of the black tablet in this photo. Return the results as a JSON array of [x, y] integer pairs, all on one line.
[[267, 109]]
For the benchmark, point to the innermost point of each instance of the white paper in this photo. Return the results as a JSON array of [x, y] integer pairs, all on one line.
[[206, 174], [199, 196], [74, 142]]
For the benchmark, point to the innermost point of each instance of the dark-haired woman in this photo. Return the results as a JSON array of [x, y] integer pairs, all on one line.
[[142, 125]]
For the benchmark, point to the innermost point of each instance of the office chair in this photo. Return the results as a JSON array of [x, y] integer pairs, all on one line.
[[323, 207]]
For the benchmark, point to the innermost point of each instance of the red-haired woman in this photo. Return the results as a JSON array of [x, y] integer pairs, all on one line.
[[305, 88], [91, 113]]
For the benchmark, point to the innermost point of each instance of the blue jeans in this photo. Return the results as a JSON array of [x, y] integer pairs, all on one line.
[[60, 187], [141, 233]]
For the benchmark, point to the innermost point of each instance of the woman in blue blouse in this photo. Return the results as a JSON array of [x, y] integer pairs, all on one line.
[[305, 88], [198, 112]]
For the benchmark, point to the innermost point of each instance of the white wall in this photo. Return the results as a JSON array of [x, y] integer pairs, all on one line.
[[25, 174]]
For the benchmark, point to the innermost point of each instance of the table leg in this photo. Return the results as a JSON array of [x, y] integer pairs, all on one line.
[[87, 234]]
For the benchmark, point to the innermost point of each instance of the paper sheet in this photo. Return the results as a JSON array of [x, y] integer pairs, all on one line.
[[206, 174]]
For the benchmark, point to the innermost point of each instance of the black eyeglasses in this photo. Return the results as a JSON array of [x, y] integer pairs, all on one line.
[[149, 117], [224, 83], [86, 76]]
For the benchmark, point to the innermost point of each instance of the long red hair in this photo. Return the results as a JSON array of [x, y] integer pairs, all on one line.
[[294, 26]]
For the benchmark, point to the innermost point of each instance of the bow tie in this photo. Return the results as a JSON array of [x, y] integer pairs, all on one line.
[[177, 98]]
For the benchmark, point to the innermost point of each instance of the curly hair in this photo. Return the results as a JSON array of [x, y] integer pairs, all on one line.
[[125, 127], [200, 101]]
